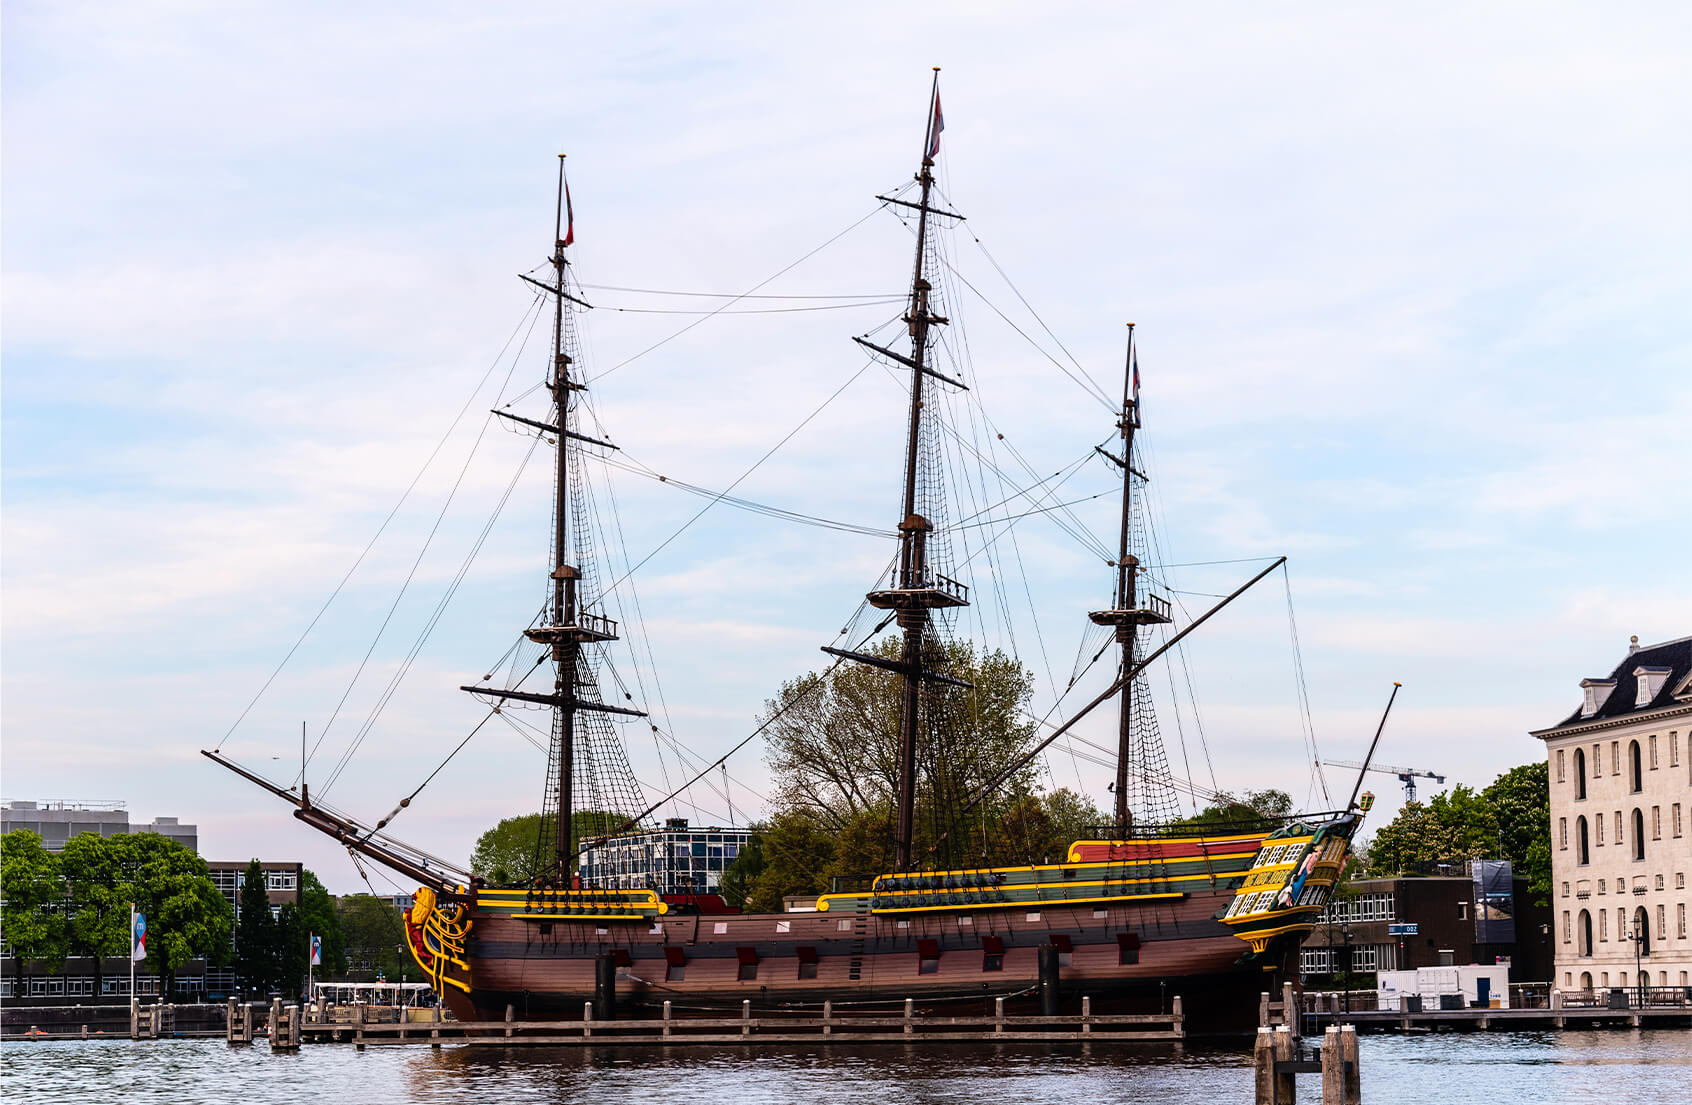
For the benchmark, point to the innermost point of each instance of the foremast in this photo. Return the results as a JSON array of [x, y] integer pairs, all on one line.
[[918, 590], [1127, 613], [568, 627]]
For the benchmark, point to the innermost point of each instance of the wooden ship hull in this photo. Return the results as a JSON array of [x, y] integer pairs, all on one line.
[[1133, 924]]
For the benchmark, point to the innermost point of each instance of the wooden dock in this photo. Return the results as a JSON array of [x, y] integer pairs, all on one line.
[[907, 1026]]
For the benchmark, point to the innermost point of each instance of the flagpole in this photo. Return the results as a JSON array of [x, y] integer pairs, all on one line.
[[311, 939], [132, 996]]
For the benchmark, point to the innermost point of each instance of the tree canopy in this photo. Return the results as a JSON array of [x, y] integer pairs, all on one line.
[[1255, 807], [1509, 819], [516, 850], [375, 938], [258, 941], [77, 902]]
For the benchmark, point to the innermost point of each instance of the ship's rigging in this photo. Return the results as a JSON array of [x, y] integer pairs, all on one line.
[[590, 787]]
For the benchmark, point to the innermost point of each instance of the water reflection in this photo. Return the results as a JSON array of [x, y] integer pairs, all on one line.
[[1643, 1067]]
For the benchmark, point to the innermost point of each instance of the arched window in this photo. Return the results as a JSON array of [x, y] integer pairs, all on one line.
[[1580, 773], [1586, 980], [1584, 936], [1581, 856], [1642, 930], [1638, 831], [1636, 780]]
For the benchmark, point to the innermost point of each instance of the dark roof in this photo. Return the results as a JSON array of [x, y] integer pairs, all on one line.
[[1676, 656]]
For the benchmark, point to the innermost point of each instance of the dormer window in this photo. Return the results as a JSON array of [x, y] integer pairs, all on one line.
[[1650, 682], [1597, 693]]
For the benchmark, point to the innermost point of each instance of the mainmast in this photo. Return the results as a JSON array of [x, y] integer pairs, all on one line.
[[917, 589], [1126, 613]]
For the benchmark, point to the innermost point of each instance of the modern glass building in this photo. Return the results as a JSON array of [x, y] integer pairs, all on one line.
[[676, 859]]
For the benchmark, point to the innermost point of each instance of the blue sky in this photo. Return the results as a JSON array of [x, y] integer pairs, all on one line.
[[1411, 290]]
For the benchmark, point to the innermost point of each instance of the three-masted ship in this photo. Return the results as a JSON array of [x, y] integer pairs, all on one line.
[[1136, 912]]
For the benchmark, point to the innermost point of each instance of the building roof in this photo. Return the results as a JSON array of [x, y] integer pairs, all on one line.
[[1641, 662]]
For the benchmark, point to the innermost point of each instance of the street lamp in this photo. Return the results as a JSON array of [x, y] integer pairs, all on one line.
[[1639, 935], [1348, 971]]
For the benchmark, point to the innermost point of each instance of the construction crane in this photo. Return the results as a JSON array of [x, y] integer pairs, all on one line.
[[1406, 775]]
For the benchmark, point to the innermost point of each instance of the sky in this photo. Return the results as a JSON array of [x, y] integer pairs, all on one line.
[[1410, 291]]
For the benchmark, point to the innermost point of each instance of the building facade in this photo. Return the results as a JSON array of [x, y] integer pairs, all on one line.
[[673, 860], [1403, 924], [1621, 798], [58, 820]]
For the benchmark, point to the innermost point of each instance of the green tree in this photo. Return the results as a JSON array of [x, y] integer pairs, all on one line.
[[1453, 826], [99, 889], [798, 854], [321, 917], [31, 903], [187, 917], [1521, 805], [374, 931], [832, 744], [292, 935], [1260, 807], [257, 941], [518, 849], [743, 871]]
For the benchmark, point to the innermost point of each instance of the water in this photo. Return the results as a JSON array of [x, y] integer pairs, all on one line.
[[1633, 1067]]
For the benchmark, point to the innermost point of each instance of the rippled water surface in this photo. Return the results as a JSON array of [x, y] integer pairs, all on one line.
[[1633, 1067]]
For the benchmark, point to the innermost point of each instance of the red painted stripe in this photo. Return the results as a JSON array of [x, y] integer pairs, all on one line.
[[1135, 851]]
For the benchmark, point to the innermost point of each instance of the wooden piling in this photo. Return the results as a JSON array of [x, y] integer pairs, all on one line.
[[746, 1017], [999, 1016], [1352, 1062], [1263, 1020], [1086, 1015], [1048, 980], [1263, 1064], [828, 1018], [1285, 1094], [909, 1011], [1289, 1009], [1333, 1068], [667, 1016]]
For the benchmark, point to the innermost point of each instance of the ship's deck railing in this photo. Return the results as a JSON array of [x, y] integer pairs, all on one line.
[[1167, 830]]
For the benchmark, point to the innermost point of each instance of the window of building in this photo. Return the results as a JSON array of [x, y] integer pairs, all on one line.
[[280, 880], [1313, 961], [1659, 882], [1462, 911], [1603, 925], [1563, 833], [1662, 922], [1582, 857], [1674, 749], [1600, 886], [1653, 740], [1638, 834], [1615, 757], [1636, 777], [1680, 923], [1560, 755], [1618, 827], [1585, 945], [1676, 818], [1656, 822], [1565, 889], [1580, 773], [1600, 820], [1567, 930]]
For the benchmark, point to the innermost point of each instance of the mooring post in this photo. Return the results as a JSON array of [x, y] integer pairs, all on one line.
[[746, 1016], [276, 1021], [1404, 1012], [1178, 1016], [998, 1015], [1086, 1014], [134, 1017], [358, 1024], [1352, 1062], [587, 1020], [1557, 1008], [604, 988], [1048, 980], [1285, 1094], [1333, 1068], [1263, 1064], [667, 1018], [909, 1009], [828, 1017], [1263, 1010], [1290, 1012]]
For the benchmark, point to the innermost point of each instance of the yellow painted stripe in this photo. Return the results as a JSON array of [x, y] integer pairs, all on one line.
[[1036, 904], [576, 917]]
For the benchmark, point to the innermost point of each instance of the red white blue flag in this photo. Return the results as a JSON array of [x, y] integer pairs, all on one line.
[[316, 950], [569, 218], [138, 938], [938, 125], [1136, 387]]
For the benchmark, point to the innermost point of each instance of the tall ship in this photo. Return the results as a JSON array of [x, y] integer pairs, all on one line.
[[1137, 910]]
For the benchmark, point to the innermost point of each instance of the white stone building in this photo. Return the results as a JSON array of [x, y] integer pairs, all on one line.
[[1621, 824]]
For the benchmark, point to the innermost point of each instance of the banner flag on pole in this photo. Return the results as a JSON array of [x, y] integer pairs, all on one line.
[[316, 950], [569, 217], [138, 939], [934, 131]]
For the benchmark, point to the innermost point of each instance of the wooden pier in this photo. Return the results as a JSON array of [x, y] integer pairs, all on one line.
[[830, 1026]]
